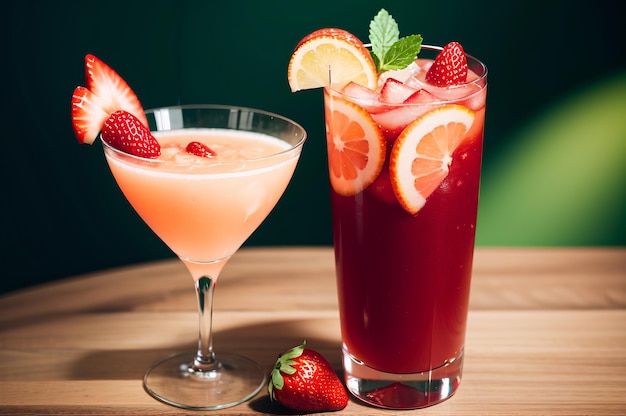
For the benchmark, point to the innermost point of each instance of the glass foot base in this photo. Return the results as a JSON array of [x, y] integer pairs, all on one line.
[[401, 391], [172, 381]]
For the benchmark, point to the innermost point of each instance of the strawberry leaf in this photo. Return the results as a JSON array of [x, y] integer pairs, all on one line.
[[284, 364], [277, 380], [287, 367]]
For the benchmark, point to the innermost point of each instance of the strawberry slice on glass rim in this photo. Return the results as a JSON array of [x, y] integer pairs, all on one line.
[[106, 92]]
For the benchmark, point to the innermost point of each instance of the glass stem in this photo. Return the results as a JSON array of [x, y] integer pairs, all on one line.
[[205, 358]]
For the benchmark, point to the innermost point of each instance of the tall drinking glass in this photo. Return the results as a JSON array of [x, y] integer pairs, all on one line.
[[403, 259], [204, 209]]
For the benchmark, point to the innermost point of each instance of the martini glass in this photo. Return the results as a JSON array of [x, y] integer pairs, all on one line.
[[204, 209]]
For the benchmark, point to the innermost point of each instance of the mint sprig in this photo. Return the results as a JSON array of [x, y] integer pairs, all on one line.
[[389, 51]]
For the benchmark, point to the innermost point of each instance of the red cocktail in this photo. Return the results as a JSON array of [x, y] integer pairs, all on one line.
[[403, 262], [404, 129]]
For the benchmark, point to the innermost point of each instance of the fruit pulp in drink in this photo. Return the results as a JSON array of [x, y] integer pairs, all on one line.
[[205, 208], [403, 279]]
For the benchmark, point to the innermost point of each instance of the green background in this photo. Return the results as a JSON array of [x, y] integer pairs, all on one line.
[[555, 143]]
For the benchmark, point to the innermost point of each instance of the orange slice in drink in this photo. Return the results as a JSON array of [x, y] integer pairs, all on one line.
[[356, 147], [330, 57], [422, 154]]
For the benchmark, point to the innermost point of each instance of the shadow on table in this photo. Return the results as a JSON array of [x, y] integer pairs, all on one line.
[[261, 342]]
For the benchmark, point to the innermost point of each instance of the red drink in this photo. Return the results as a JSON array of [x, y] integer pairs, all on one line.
[[403, 272], [418, 266]]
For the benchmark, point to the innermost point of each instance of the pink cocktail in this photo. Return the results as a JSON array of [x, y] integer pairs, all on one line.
[[204, 208], [203, 178]]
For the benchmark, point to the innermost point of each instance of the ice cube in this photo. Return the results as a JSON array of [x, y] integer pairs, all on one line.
[[393, 121], [400, 74]]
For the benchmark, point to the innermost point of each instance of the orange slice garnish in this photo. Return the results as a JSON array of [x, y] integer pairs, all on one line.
[[422, 154], [356, 147], [330, 57]]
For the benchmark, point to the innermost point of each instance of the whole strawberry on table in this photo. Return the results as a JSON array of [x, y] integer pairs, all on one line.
[[304, 381]]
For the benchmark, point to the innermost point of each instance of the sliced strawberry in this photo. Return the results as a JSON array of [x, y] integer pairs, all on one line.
[[126, 132], [111, 89], [449, 67], [87, 115], [395, 92], [420, 97], [200, 149], [105, 93]]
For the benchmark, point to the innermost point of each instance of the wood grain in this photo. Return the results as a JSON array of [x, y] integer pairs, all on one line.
[[546, 332]]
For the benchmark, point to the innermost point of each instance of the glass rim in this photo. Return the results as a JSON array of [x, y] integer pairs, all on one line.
[[144, 160], [226, 107], [480, 82], [480, 63]]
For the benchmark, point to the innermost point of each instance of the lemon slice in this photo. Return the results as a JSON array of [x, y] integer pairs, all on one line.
[[356, 147], [422, 154], [330, 57]]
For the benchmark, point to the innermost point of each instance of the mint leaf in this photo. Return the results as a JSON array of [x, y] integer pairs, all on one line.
[[388, 50], [402, 53], [383, 33]]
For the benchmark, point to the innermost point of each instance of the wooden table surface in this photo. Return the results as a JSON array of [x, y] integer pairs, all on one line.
[[546, 332]]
